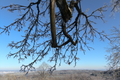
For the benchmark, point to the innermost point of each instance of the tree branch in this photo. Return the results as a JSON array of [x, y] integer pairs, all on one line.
[[52, 22]]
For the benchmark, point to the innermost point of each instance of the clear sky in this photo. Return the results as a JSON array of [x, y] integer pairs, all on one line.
[[94, 59]]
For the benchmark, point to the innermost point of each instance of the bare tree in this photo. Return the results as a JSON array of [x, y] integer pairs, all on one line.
[[62, 32], [43, 70], [113, 57], [114, 47]]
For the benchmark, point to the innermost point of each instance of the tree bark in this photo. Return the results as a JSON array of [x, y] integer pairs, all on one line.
[[64, 9]]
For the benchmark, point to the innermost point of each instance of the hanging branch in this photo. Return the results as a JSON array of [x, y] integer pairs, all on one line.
[[52, 22]]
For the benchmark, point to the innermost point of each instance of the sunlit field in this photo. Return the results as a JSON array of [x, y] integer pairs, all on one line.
[[61, 75]]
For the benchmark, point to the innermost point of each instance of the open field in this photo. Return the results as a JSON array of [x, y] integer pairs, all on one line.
[[61, 75]]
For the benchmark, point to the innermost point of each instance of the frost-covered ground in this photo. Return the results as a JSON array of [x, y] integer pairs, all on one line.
[[59, 75]]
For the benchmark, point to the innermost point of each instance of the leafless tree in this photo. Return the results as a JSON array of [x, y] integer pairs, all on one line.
[[63, 32], [113, 57], [43, 70], [114, 52], [115, 46]]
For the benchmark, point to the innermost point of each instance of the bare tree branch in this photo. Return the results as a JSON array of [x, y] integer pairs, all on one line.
[[59, 32]]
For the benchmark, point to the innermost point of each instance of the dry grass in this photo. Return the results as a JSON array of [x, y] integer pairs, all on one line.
[[38, 76], [35, 77]]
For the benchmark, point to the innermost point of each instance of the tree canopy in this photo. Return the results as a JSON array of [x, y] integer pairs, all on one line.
[[63, 32]]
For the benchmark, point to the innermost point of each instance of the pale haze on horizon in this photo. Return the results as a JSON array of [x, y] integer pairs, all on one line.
[[91, 60]]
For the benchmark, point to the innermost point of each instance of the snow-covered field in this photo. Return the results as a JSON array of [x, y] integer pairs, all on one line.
[[2, 72], [5, 72]]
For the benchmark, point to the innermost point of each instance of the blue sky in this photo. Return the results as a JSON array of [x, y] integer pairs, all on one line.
[[93, 59]]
